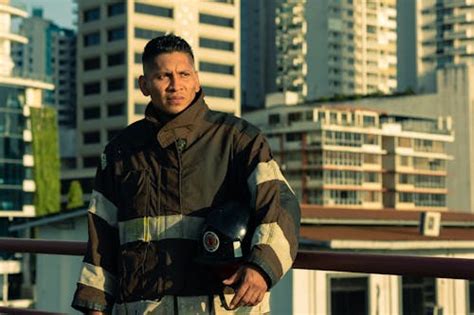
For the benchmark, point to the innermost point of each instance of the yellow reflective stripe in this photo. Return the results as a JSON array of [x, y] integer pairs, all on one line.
[[148, 229], [272, 235], [103, 208], [265, 172], [97, 277]]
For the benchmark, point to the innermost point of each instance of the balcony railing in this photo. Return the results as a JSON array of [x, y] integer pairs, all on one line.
[[418, 266]]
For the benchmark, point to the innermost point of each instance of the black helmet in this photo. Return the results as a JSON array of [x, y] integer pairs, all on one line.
[[225, 236]]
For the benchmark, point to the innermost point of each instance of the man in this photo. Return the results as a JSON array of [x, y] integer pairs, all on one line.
[[156, 183]]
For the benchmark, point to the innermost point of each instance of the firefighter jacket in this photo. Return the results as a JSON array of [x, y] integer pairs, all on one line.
[[155, 185]]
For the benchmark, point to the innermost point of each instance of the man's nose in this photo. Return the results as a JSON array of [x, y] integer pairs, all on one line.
[[175, 82]]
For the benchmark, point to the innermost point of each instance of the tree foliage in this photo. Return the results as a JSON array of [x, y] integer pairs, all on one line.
[[46, 160], [75, 197]]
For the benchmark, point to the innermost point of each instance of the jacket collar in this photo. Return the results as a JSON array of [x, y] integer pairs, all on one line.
[[180, 126]]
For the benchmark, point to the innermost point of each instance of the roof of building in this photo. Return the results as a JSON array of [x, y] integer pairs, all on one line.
[[361, 229]]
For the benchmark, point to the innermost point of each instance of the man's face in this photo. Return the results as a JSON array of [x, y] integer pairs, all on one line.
[[172, 82]]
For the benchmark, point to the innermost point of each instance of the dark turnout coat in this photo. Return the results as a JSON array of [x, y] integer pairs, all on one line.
[[153, 189]]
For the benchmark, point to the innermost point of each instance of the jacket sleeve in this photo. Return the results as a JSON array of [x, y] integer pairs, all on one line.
[[97, 284], [277, 219]]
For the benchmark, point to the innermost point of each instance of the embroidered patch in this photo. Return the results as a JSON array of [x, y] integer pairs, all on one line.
[[103, 161]]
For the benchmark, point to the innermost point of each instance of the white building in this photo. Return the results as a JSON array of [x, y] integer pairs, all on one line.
[[111, 38], [327, 48], [19, 92], [377, 232], [432, 34], [453, 98]]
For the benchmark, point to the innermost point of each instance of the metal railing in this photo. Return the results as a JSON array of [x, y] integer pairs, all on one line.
[[420, 266]]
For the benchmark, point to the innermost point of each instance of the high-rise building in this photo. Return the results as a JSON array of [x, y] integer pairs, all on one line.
[[433, 34], [18, 93], [258, 52], [331, 48], [350, 157], [50, 51], [111, 38]]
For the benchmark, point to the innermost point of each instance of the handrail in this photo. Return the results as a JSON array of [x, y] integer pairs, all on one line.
[[422, 266]]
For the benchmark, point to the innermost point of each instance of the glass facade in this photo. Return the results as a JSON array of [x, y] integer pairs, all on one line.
[[12, 150]]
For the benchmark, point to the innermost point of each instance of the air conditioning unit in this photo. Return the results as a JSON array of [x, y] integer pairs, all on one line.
[[430, 223]]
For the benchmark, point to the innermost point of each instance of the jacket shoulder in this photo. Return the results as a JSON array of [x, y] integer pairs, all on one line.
[[133, 136], [235, 124]]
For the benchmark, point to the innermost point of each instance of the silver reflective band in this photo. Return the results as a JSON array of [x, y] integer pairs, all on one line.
[[148, 229], [97, 277], [265, 172], [103, 208], [272, 235]]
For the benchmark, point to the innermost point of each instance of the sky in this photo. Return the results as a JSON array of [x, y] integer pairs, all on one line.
[[59, 11]]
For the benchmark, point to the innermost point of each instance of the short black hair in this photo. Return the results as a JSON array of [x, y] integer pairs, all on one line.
[[165, 44]]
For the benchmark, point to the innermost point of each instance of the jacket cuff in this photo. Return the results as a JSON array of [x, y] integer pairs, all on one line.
[[90, 299]]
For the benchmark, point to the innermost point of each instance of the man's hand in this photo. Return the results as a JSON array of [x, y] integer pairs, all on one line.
[[251, 287]]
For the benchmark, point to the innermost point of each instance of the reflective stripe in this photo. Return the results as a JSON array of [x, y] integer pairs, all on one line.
[[272, 235], [265, 172], [189, 305], [157, 228], [103, 208], [97, 277]]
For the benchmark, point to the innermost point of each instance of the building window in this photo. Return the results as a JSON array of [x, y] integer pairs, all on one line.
[[349, 295], [140, 109], [90, 161], [368, 121], [91, 39], [91, 112], [138, 58], [115, 84], [116, 9], [404, 142], [91, 15], [295, 117], [116, 34], [146, 33], [153, 10], [418, 295], [116, 59], [470, 284], [91, 137], [214, 67], [216, 44], [116, 109], [293, 137], [273, 119], [215, 20], [218, 92], [91, 63], [91, 88]]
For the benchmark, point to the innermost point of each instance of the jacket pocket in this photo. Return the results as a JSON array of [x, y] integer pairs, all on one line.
[[134, 193]]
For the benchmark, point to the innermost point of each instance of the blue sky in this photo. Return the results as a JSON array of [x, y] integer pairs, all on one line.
[[59, 11]]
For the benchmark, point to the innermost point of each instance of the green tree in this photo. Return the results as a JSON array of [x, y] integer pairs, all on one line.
[[45, 142], [75, 196]]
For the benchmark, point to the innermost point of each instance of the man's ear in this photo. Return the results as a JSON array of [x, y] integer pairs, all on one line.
[[143, 85]]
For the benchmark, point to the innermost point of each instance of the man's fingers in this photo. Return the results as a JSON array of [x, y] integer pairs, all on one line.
[[239, 294]]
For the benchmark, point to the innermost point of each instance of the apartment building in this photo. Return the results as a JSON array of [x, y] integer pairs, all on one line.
[[50, 51], [353, 157], [329, 48], [258, 52], [434, 34], [18, 93], [111, 38]]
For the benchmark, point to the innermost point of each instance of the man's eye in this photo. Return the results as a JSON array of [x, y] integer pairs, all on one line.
[[185, 74]]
